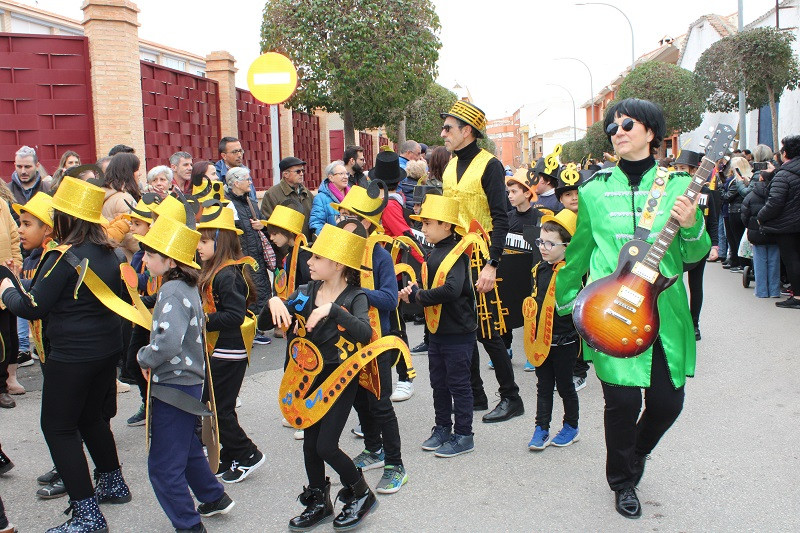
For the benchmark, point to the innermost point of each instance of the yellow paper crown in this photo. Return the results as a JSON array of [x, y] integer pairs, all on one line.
[[359, 202], [565, 218], [442, 208], [140, 206], [339, 245], [469, 113], [80, 199], [40, 206], [171, 207], [172, 239], [288, 219], [224, 220]]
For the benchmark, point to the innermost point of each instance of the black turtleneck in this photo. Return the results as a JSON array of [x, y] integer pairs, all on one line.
[[494, 185], [634, 170]]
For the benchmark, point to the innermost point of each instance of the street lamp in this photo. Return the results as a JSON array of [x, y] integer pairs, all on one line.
[[591, 84], [574, 119], [633, 56]]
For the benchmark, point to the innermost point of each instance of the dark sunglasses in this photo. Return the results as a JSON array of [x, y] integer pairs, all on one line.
[[448, 127], [613, 128]]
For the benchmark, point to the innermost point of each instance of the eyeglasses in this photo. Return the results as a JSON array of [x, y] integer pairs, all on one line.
[[298, 171], [627, 125], [239, 151], [448, 127], [339, 174], [547, 244], [246, 178]]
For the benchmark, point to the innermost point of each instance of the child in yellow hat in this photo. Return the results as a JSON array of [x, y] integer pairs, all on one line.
[[175, 357]]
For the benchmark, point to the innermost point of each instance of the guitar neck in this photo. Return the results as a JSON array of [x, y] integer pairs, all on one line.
[[671, 228]]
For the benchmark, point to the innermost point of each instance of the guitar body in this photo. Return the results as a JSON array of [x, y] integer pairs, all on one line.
[[618, 314]]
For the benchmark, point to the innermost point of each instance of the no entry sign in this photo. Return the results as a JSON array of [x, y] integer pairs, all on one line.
[[272, 78]]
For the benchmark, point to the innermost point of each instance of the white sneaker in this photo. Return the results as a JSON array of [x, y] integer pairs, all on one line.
[[403, 391], [299, 434], [122, 387], [238, 402], [285, 423], [579, 382]]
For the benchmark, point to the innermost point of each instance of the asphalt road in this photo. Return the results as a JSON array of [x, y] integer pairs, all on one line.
[[730, 463]]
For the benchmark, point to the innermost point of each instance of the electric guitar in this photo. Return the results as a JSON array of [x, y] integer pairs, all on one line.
[[618, 314]]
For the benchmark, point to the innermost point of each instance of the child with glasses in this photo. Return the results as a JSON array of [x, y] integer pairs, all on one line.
[[551, 342]]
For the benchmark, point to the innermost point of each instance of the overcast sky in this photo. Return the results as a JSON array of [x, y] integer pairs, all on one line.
[[504, 51]]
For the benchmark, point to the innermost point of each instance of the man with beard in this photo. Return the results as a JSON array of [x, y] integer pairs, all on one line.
[[26, 181], [354, 163]]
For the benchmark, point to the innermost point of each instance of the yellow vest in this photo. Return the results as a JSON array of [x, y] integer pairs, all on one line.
[[469, 191]]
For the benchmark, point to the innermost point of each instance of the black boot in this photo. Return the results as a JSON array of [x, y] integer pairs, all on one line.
[[319, 508], [110, 487], [358, 501]]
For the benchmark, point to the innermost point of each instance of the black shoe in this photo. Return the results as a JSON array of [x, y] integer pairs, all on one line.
[[358, 501], [53, 490], [319, 508], [638, 469], [24, 359], [46, 479], [480, 402], [240, 470], [5, 463], [628, 503], [697, 335], [789, 303], [507, 408], [736, 270], [221, 506], [199, 528], [224, 465], [726, 265], [420, 348]]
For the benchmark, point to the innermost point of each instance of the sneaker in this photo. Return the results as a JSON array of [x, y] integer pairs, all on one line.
[[403, 391], [490, 365], [420, 348], [457, 445], [540, 439], [240, 470], [221, 506], [223, 467], [529, 367], [24, 359], [238, 402], [53, 490], [138, 419], [285, 423], [260, 338], [299, 434], [46, 479], [368, 460], [122, 387], [357, 432], [5, 463], [439, 435], [736, 270], [393, 478], [510, 353], [789, 303], [579, 381], [566, 436]]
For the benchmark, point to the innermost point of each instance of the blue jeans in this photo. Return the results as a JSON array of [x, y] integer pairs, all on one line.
[[767, 265], [723, 241], [449, 367], [24, 334]]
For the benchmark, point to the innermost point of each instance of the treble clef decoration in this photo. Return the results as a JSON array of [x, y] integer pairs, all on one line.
[[551, 161]]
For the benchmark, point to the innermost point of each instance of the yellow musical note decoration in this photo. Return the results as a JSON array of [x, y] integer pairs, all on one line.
[[570, 174], [551, 161]]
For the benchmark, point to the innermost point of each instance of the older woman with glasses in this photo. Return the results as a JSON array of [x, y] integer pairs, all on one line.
[[333, 189]]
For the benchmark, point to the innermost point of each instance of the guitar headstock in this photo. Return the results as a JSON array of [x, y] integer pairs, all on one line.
[[720, 141]]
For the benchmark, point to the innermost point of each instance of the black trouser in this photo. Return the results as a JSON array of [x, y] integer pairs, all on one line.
[[734, 229], [139, 337], [504, 372], [321, 440], [377, 416], [581, 366], [627, 439], [227, 376], [75, 408], [557, 370], [3, 518], [695, 282], [8, 329], [789, 246], [508, 338]]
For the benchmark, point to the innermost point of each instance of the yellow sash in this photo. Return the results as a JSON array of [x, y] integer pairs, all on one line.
[[285, 279], [248, 327], [538, 337]]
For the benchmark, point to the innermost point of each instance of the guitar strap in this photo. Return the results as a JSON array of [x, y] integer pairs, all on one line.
[[651, 206]]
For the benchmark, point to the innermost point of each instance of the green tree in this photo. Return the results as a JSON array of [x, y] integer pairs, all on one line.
[[759, 61], [674, 88], [365, 59], [574, 151], [596, 141], [423, 122]]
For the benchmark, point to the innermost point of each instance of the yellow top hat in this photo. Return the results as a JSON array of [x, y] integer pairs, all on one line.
[[171, 207], [173, 239], [442, 208], [288, 219], [40, 206], [469, 113], [339, 245], [143, 207], [80, 199], [565, 218], [358, 201], [223, 220]]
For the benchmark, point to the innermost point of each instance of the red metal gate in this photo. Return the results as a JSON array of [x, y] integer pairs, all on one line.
[[45, 98]]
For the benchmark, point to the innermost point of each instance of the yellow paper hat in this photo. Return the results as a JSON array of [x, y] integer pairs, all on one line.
[[565, 218], [469, 113], [288, 219], [80, 199], [40, 206], [442, 208], [339, 245], [223, 220], [171, 207], [173, 239], [143, 207], [358, 201], [214, 190]]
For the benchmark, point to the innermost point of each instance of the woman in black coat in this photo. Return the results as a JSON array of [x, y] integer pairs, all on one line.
[[766, 257]]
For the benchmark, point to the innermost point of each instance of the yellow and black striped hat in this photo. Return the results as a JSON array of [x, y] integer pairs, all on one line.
[[470, 114]]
